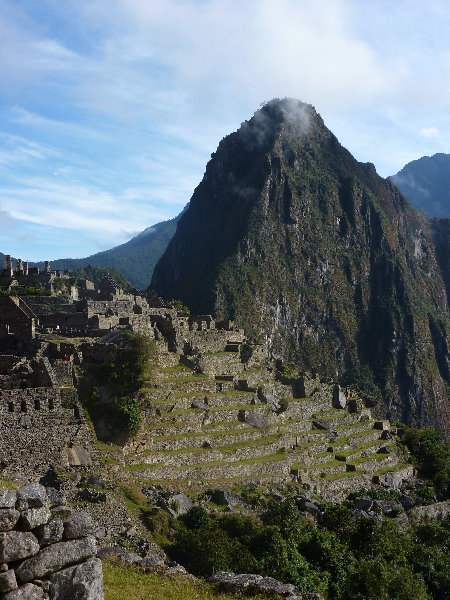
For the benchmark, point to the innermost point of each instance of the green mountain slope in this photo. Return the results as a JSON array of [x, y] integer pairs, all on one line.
[[426, 184], [135, 259], [288, 234]]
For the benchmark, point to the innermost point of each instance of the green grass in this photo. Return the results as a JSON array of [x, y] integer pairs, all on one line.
[[392, 468], [107, 447], [360, 448], [175, 369], [122, 581]]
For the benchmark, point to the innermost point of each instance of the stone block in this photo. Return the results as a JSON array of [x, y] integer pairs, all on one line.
[[56, 557], [79, 525], [32, 495], [339, 399], [8, 518], [55, 497], [34, 517], [61, 512], [8, 581], [16, 545], [83, 582], [79, 457], [8, 499], [227, 498], [27, 592], [256, 419], [50, 533]]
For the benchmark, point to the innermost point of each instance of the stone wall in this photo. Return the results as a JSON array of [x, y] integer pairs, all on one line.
[[46, 551], [42, 426]]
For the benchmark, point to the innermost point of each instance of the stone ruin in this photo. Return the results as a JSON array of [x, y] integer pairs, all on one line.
[[213, 390], [24, 275], [47, 551]]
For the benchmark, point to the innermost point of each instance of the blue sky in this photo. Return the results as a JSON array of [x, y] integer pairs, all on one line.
[[110, 109]]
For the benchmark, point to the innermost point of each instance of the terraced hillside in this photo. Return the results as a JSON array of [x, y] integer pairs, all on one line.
[[229, 422]]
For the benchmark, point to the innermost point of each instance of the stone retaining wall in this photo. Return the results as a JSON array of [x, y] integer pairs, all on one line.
[[46, 551]]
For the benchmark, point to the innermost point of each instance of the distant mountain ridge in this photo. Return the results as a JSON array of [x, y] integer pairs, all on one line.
[[314, 252], [426, 184], [135, 259]]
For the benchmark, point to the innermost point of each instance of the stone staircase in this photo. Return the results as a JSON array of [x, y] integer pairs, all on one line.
[[234, 423]]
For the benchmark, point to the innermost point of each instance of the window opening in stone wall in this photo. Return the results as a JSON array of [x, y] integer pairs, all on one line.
[[23, 406], [37, 404], [51, 404], [11, 406], [76, 412]]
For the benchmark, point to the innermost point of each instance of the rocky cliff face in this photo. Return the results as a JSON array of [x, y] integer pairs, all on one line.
[[288, 234]]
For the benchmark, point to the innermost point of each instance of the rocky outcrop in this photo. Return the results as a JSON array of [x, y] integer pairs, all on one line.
[[42, 557], [316, 254]]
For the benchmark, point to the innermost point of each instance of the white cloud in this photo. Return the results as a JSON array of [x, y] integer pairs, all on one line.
[[429, 132]]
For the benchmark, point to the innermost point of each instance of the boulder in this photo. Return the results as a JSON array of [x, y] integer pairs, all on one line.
[[50, 533], [177, 504], [269, 397], [227, 498], [16, 545], [8, 499], [256, 419], [55, 497], [32, 495], [199, 404], [79, 525], [8, 518], [82, 582], [34, 517], [56, 557], [91, 495], [8, 581], [97, 481]]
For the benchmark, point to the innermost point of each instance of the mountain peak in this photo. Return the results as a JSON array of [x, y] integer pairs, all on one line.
[[315, 253]]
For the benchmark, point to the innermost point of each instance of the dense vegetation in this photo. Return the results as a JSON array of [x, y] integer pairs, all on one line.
[[343, 558], [122, 379]]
